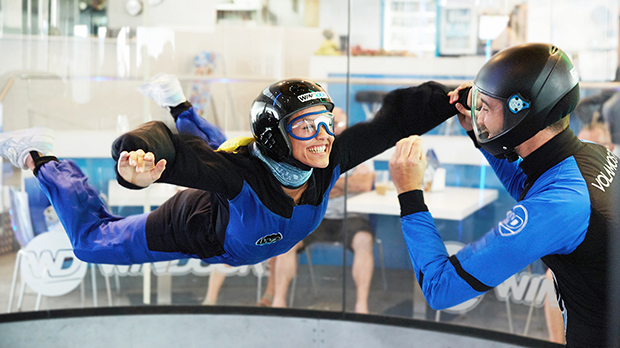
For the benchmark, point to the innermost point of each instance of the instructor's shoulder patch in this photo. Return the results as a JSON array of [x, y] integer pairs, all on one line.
[[515, 221]]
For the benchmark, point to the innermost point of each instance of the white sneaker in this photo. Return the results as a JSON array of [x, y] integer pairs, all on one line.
[[164, 89], [16, 146]]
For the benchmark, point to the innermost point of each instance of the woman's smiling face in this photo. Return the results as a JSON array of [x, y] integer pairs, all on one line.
[[313, 152]]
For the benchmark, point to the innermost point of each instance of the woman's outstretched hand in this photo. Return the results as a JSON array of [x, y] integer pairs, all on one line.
[[139, 168]]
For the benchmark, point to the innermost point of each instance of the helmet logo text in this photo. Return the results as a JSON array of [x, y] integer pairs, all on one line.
[[312, 95], [574, 74]]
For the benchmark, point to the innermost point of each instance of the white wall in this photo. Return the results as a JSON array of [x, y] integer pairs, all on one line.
[[13, 11], [188, 15], [365, 21], [586, 30], [85, 83], [427, 68], [286, 13]]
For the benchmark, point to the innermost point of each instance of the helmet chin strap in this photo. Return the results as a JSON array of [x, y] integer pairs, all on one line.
[[511, 156], [296, 163], [288, 175]]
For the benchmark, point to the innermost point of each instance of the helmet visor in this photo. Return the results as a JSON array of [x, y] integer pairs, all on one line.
[[494, 116], [308, 126]]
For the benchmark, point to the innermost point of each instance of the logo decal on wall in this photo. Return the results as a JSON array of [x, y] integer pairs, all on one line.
[[269, 239], [515, 221], [49, 266]]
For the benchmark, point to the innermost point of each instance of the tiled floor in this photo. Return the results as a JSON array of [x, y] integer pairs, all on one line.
[[190, 290]]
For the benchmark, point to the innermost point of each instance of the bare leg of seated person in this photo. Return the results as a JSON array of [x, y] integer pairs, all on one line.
[[285, 270], [267, 298], [363, 267], [216, 280], [554, 318]]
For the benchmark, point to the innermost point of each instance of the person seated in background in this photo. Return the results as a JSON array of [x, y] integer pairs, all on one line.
[[597, 132], [610, 114], [604, 108], [360, 236]]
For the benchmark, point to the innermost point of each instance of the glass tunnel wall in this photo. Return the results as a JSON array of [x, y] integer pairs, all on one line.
[[75, 66]]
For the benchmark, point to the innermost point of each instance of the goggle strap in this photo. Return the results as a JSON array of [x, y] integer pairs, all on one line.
[[315, 113]]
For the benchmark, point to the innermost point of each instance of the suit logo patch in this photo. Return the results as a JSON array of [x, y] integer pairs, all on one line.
[[515, 221], [269, 239]]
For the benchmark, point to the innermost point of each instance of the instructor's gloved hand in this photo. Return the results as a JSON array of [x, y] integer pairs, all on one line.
[[164, 89]]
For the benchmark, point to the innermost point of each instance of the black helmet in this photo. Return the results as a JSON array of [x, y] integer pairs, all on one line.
[[533, 85], [274, 104]]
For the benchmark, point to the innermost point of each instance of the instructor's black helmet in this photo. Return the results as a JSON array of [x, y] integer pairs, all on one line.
[[536, 85], [274, 104]]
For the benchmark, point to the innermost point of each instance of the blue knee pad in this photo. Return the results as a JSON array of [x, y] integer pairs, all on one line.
[[191, 123]]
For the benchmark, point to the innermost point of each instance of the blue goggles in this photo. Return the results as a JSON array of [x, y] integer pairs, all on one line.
[[306, 127]]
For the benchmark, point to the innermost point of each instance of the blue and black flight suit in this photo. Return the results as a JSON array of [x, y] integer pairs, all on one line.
[[235, 211], [565, 192]]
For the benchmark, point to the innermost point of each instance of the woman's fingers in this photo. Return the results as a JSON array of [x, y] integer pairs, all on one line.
[[143, 162]]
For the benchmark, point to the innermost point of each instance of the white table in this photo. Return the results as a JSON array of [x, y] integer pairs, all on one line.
[[154, 195], [451, 203]]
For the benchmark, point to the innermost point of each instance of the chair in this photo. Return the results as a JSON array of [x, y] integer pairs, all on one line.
[[43, 264], [20, 217]]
